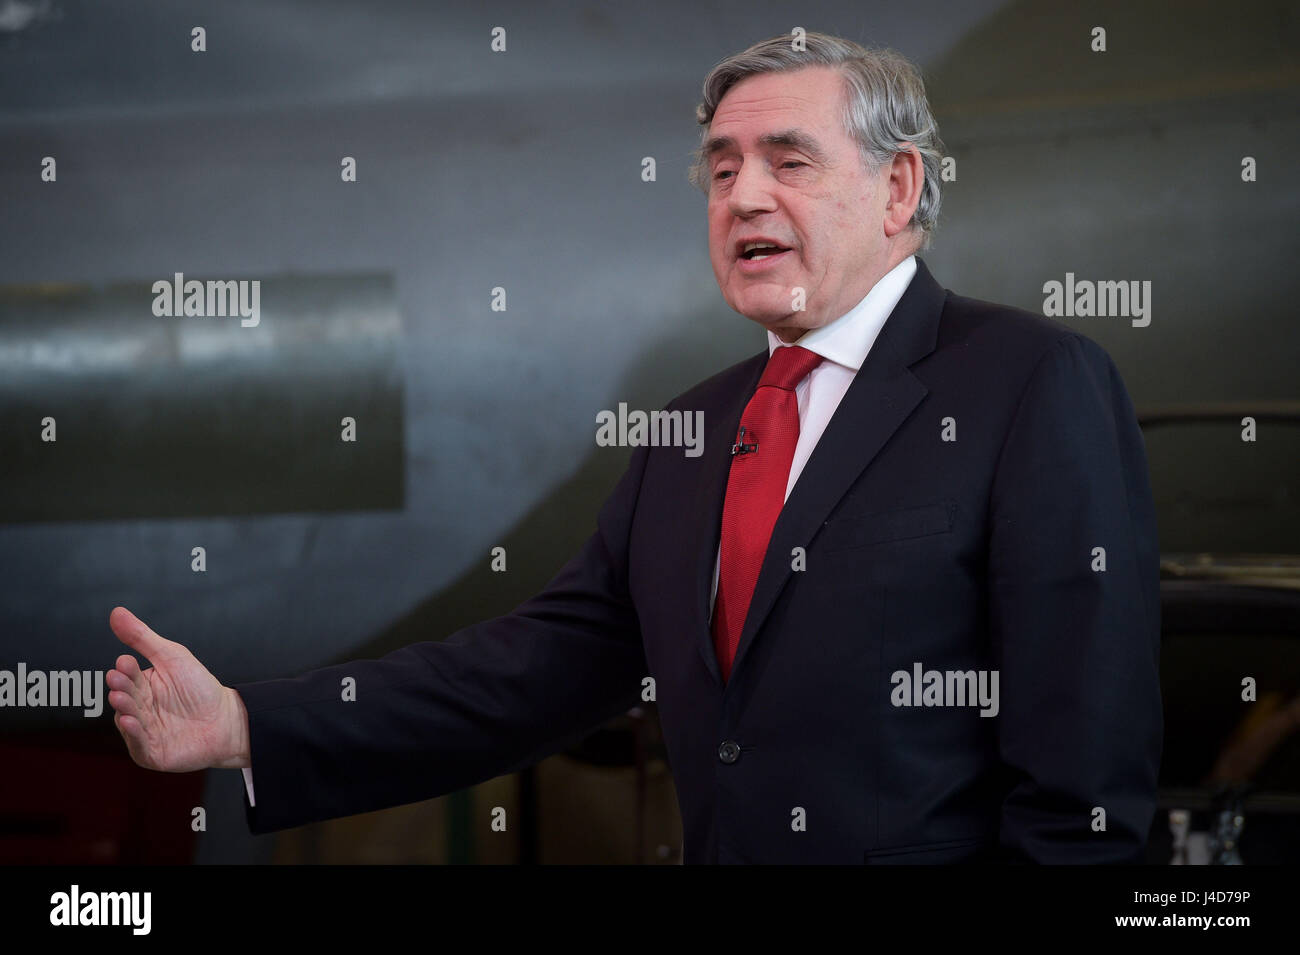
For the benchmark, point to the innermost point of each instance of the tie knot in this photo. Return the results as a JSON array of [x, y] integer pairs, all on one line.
[[787, 367]]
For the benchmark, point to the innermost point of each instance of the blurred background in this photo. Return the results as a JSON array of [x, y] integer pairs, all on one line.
[[475, 427]]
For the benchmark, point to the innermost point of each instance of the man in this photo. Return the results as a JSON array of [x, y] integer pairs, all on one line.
[[902, 608]]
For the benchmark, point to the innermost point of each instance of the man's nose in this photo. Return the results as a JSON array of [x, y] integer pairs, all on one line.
[[751, 191]]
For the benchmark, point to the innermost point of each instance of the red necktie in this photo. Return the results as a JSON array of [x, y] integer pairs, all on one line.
[[760, 470]]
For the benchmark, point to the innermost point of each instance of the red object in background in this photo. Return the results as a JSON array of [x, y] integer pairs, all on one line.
[[75, 798]]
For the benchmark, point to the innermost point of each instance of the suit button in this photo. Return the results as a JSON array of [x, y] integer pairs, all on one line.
[[729, 751]]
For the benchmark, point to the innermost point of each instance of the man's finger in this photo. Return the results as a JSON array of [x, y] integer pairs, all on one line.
[[124, 703], [117, 680], [132, 631], [129, 666], [131, 734], [130, 727]]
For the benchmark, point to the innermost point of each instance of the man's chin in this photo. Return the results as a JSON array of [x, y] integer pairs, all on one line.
[[771, 317], [768, 320], [766, 310]]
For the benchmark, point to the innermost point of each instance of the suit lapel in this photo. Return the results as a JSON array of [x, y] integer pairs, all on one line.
[[881, 397]]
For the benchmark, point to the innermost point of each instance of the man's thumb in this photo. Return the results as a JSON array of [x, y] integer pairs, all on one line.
[[133, 631]]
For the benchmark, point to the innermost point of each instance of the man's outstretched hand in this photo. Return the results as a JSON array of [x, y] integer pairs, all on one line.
[[175, 716]]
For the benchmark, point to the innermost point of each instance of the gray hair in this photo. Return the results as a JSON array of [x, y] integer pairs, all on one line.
[[885, 106]]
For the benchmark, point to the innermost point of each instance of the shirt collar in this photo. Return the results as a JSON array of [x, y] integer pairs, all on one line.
[[847, 340]]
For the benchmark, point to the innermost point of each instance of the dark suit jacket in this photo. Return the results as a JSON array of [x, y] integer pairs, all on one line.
[[959, 555]]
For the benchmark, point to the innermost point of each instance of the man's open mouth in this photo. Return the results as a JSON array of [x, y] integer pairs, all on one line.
[[761, 250]]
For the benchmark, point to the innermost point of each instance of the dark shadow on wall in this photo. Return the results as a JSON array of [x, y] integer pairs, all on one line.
[[554, 530]]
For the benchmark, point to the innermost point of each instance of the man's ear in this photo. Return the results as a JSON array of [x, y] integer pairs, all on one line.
[[904, 182]]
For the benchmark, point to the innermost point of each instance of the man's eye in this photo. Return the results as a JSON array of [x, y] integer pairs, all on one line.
[[722, 172], [793, 162]]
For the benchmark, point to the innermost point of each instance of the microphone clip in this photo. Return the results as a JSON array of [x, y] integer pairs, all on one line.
[[740, 447]]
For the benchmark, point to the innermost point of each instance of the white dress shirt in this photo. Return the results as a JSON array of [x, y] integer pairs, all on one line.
[[844, 343]]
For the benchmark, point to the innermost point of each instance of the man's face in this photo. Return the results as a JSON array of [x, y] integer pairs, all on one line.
[[784, 169]]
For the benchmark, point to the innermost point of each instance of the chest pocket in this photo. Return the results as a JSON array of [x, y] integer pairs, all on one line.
[[904, 523]]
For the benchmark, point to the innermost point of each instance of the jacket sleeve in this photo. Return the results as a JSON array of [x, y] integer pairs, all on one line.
[[439, 716], [1074, 606]]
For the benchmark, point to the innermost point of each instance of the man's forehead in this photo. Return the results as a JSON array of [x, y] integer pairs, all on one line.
[[778, 109]]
